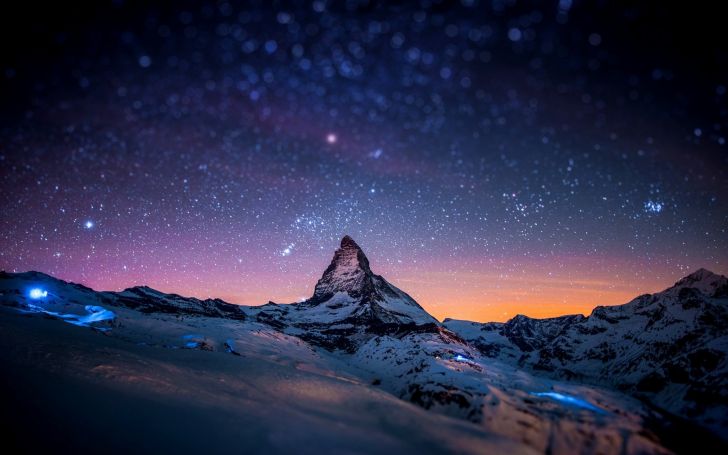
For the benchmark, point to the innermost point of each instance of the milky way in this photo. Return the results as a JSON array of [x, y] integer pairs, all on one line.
[[490, 159]]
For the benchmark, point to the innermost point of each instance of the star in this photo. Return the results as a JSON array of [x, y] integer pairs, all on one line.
[[287, 250], [376, 154]]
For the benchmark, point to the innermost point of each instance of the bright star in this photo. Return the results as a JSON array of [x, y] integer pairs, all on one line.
[[331, 138], [88, 224], [288, 250]]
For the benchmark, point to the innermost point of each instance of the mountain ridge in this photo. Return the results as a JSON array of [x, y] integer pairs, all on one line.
[[669, 347], [719, 288]]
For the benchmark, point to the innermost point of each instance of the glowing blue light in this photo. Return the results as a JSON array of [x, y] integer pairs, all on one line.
[[88, 224], [229, 346], [93, 313], [462, 358], [569, 400], [38, 293]]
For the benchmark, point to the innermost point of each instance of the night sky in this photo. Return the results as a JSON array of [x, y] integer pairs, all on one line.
[[491, 158]]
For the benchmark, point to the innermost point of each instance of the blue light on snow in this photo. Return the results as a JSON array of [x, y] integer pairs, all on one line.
[[93, 314], [192, 340], [569, 400], [462, 358], [38, 293]]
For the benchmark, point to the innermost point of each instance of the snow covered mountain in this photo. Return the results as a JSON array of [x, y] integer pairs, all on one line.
[[350, 304], [148, 300], [670, 348], [371, 298], [363, 357]]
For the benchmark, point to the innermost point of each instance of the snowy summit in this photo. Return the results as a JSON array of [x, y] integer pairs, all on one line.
[[349, 282]]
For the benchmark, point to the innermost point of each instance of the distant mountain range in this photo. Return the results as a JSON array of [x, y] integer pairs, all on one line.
[[625, 379], [668, 348]]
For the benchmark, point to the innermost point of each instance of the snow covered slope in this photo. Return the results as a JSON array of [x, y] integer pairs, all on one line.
[[164, 383], [358, 368], [670, 348]]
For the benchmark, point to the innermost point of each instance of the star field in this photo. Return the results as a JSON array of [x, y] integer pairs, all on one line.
[[491, 158]]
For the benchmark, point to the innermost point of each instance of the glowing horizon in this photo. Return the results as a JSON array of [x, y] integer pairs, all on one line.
[[444, 292]]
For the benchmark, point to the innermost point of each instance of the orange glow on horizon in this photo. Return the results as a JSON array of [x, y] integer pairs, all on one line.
[[446, 289], [487, 298]]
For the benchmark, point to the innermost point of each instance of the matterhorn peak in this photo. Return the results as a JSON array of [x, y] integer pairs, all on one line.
[[349, 258], [347, 243], [348, 272], [348, 281]]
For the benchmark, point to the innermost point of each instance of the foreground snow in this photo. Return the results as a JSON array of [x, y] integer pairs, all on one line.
[[138, 389], [153, 375]]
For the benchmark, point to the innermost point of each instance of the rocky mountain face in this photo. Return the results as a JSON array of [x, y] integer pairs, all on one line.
[[522, 380], [670, 348], [350, 305], [349, 283], [148, 300]]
